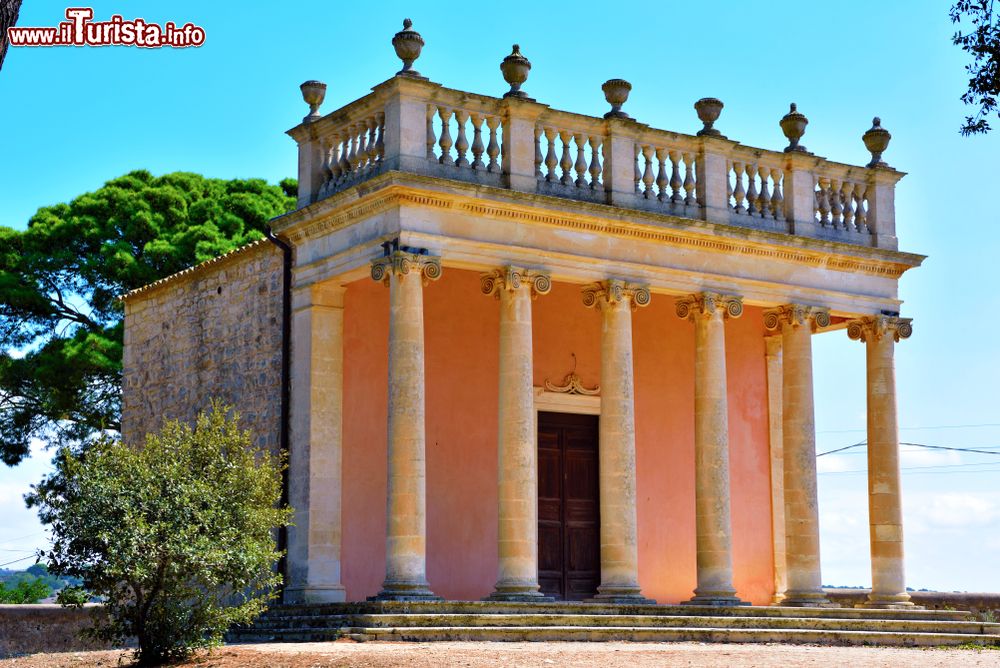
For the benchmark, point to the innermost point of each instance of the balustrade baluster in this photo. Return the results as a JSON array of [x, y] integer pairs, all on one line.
[[445, 142], [751, 189], [493, 147], [860, 213], [848, 203], [647, 174], [380, 142], [566, 163], [595, 161], [461, 142], [334, 159], [372, 137], [777, 200], [675, 178], [764, 198], [824, 203], [362, 130], [538, 153], [661, 174], [738, 193], [835, 207], [550, 156], [431, 139], [345, 165], [352, 157], [477, 141], [581, 160], [638, 173], [690, 192]]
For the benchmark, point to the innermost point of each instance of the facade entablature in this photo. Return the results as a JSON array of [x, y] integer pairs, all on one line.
[[476, 227]]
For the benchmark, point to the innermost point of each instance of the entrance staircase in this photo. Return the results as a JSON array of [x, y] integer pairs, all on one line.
[[453, 620]]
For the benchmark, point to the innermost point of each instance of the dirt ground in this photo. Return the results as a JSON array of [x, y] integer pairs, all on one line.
[[535, 655]]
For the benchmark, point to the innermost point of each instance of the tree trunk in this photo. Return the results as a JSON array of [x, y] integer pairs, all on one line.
[[8, 17]]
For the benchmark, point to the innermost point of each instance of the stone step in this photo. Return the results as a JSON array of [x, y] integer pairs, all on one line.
[[619, 633], [319, 623], [481, 607]]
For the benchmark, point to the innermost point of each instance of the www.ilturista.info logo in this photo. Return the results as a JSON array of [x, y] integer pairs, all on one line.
[[80, 30]]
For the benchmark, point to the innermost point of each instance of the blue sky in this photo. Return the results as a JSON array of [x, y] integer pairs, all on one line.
[[75, 117]]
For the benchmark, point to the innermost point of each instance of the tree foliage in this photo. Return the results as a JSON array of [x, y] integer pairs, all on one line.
[[176, 535], [60, 323], [979, 36], [23, 591]]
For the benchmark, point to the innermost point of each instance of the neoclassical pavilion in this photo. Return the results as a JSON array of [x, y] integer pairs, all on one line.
[[536, 354]]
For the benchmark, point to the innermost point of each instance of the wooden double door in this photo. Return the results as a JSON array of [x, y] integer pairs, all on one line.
[[569, 546]]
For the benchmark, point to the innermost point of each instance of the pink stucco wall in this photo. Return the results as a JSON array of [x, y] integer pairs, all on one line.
[[461, 391]]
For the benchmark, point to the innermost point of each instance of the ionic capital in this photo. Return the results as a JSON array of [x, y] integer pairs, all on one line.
[[614, 291], [796, 315], [401, 263], [873, 328], [514, 278], [708, 304]]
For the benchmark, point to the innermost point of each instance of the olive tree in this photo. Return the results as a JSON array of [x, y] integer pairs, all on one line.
[[175, 535]]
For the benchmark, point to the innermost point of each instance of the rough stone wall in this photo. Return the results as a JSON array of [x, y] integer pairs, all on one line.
[[210, 332], [26, 629]]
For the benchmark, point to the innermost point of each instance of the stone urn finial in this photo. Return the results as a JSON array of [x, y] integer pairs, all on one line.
[[616, 93], [408, 44], [876, 140], [708, 109], [515, 69], [313, 92], [793, 124]]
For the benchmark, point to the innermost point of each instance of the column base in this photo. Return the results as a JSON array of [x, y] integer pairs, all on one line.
[[620, 596], [806, 599], [518, 594], [716, 601], [315, 594], [889, 602], [401, 591]]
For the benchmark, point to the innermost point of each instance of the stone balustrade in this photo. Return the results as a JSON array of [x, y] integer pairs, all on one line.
[[410, 124]]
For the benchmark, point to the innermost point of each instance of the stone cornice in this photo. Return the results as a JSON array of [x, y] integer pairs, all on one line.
[[874, 328], [388, 191], [709, 304]]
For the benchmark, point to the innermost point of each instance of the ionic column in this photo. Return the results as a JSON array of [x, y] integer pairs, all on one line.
[[802, 564], [619, 545], [406, 525], [316, 392], [885, 514], [517, 472], [711, 441], [776, 447]]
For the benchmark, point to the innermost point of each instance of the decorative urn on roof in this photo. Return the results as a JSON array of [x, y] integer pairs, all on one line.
[[408, 44], [616, 93], [876, 140], [708, 109], [313, 92], [793, 124], [515, 68]]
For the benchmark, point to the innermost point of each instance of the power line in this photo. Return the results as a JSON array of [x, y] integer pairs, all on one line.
[[997, 470], [916, 445], [941, 426], [31, 556], [930, 466]]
